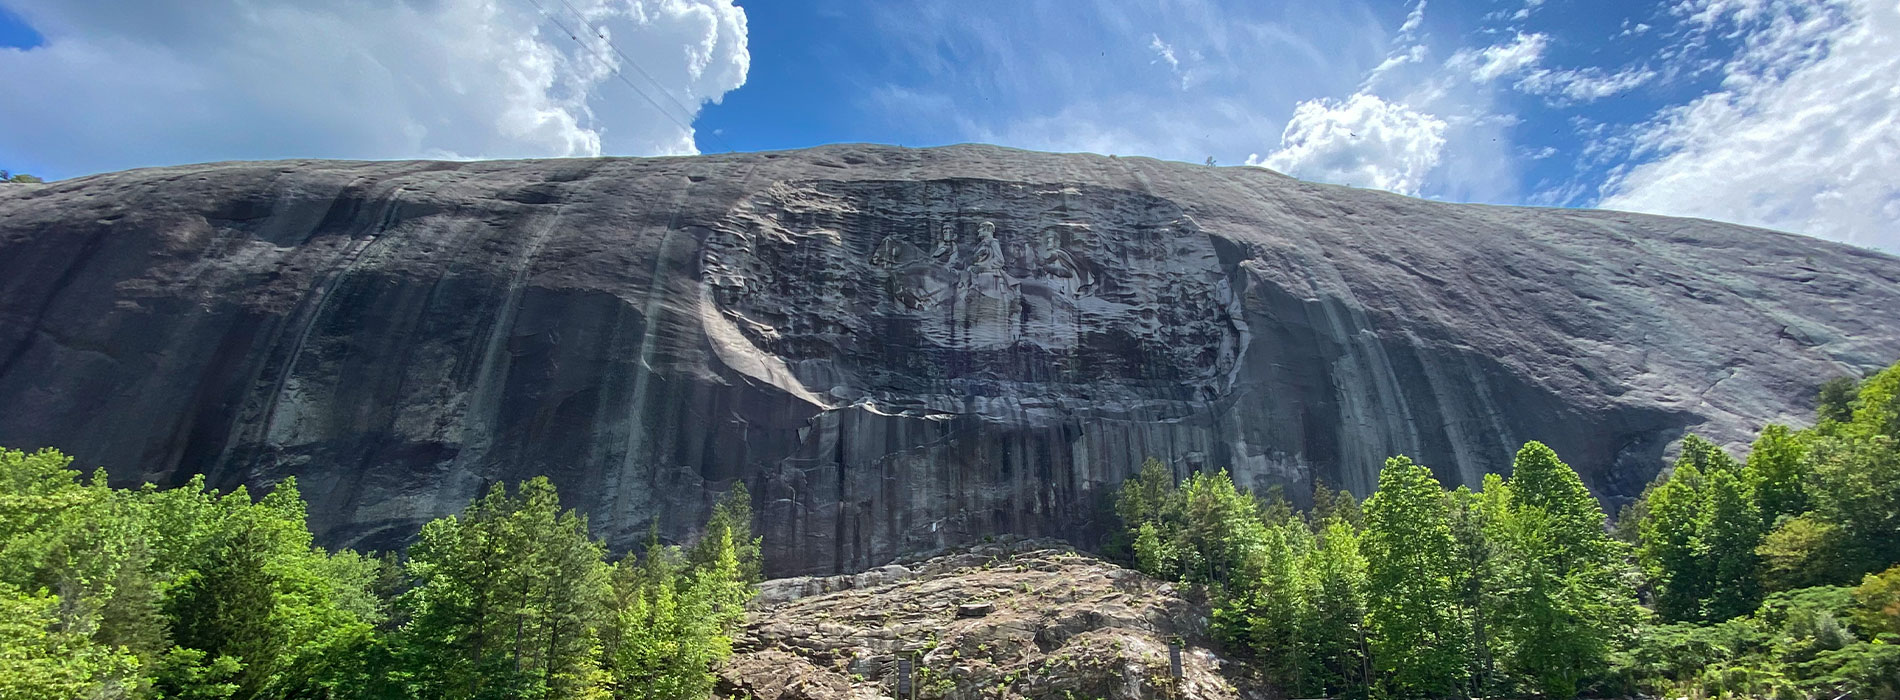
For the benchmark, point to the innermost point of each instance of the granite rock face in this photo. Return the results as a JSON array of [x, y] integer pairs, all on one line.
[[897, 350]]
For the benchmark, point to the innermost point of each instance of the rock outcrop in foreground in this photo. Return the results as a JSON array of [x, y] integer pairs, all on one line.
[[897, 350], [1053, 624]]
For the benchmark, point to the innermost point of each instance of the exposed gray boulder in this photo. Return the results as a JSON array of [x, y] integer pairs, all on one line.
[[897, 350]]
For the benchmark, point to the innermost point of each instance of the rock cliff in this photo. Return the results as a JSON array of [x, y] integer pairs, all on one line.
[[896, 349]]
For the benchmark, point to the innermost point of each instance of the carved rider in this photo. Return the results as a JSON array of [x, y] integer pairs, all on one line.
[[986, 275], [946, 248], [1058, 267]]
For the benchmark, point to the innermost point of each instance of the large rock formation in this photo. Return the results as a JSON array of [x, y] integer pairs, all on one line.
[[896, 349], [1001, 620]]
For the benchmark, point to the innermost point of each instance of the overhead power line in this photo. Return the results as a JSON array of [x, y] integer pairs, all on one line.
[[571, 34], [685, 110]]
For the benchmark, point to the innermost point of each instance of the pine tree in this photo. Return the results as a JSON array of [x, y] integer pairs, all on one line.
[[39, 658], [1339, 610], [508, 600], [1152, 555], [1836, 399], [667, 635], [733, 514], [567, 594], [1280, 614], [1328, 504], [1147, 497], [1411, 609], [226, 610], [1220, 535], [1474, 569]]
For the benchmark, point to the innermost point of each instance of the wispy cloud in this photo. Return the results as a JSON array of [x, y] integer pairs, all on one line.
[[1185, 81], [1502, 60], [1804, 134]]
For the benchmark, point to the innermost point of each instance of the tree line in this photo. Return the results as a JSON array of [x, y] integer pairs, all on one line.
[[192, 593], [1769, 576], [1775, 576]]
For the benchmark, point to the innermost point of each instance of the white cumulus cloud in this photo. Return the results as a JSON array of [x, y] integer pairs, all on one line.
[[1363, 141], [120, 85], [1803, 136]]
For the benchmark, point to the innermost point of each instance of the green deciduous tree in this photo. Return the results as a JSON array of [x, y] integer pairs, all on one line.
[[41, 658], [1417, 640], [1669, 546], [1779, 471], [1728, 534], [1856, 488], [1563, 601]]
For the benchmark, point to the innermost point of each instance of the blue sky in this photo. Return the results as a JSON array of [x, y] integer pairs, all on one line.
[[1779, 113]]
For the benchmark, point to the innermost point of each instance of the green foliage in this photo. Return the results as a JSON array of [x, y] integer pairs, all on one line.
[[1279, 615], [1152, 555], [1730, 531], [1417, 639], [1836, 399], [1670, 547], [189, 593], [23, 178], [225, 610], [1780, 473], [1707, 457], [1521, 589], [1148, 497], [1878, 600], [508, 600], [674, 622], [1803, 551], [1856, 488], [1206, 532], [42, 658], [1562, 601], [1476, 572], [1811, 512], [1338, 636], [733, 515]]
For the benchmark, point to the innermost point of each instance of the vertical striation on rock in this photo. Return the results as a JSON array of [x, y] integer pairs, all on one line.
[[898, 350]]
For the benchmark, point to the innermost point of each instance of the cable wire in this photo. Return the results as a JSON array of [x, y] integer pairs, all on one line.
[[571, 34], [629, 59]]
